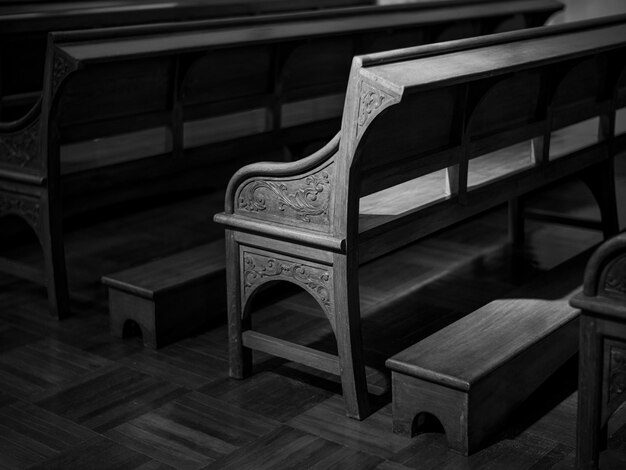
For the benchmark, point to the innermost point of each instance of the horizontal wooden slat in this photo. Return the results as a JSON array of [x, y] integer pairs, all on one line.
[[550, 217], [382, 234], [22, 270], [293, 352], [296, 29]]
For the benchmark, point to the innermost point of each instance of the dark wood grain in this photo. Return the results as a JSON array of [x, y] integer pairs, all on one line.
[[192, 431], [29, 434], [122, 394], [101, 453], [472, 259], [290, 448]]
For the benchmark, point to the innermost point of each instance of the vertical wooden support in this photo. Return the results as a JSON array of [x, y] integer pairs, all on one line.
[[1, 81], [177, 121], [50, 232], [348, 331], [516, 221], [601, 178], [51, 239], [240, 358], [457, 175], [589, 395]]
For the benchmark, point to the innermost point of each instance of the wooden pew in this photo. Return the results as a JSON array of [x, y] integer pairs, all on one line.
[[134, 112], [602, 360], [24, 27], [430, 136]]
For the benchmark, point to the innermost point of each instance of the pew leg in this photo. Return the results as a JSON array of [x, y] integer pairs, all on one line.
[[349, 341], [240, 358], [589, 396], [601, 182], [516, 221], [51, 239]]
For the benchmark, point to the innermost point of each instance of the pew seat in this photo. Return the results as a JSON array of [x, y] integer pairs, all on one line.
[[171, 297], [472, 374]]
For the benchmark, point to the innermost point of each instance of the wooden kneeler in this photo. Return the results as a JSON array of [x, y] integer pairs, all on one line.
[[170, 298], [472, 374]]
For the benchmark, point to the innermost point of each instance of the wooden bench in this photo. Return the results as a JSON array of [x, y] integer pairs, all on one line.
[[472, 374], [24, 27], [171, 297], [430, 136], [138, 111], [602, 360]]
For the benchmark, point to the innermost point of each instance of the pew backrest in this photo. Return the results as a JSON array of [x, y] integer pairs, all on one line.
[[99, 83], [25, 25], [434, 134]]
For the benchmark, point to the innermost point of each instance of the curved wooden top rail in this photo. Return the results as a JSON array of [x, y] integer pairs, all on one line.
[[279, 169], [606, 258], [39, 16], [360, 17], [604, 291], [423, 66]]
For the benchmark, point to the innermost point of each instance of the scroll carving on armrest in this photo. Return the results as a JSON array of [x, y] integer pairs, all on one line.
[[615, 277], [293, 193], [20, 141], [606, 270]]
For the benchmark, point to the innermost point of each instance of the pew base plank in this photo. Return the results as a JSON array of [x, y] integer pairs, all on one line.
[[169, 298], [472, 374]]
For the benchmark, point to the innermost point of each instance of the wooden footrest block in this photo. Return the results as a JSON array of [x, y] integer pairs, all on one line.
[[472, 374], [172, 297]]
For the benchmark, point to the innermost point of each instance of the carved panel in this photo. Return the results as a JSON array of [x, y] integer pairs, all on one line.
[[305, 199], [617, 376], [615, 279], [61, 68], [371, 102], [28, 209], [318, 281], [21, 148]]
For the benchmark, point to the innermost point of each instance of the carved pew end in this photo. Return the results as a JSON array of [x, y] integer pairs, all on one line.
[[602, 360], [170, 298]]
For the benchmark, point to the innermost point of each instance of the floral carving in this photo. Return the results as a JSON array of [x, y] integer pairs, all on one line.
[[617, 374], [26, 209], [310, 197], [61, 67], [259, 268], [21, 148], [372, 101], [616, 277]]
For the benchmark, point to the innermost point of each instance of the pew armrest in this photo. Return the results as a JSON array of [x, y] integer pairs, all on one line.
[[605, 280], [20, 156], [295, 194]]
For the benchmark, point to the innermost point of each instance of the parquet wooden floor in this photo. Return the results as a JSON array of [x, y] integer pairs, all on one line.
[[72, 397]]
